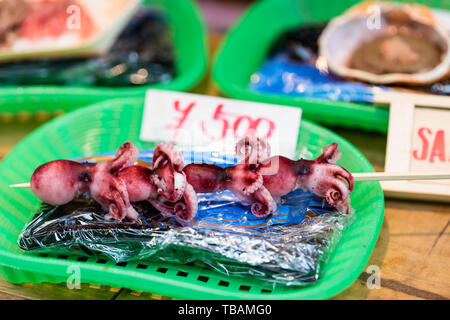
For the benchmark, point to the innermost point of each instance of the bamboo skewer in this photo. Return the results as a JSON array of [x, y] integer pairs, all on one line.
[[392, 176], [21, 185], [368, 176]]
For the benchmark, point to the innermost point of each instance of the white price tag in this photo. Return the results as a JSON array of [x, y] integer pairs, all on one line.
[[418, 141], [205, 123]]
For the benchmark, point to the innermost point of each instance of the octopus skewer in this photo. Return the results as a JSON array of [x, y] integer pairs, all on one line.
[[260, 181], [171, 187]]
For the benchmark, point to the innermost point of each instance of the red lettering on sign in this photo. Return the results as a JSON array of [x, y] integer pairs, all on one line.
[[241, 125], [437, 150], [182, 118], [424, 139]]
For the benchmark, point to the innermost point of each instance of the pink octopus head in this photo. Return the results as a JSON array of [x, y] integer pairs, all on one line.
[[58, 182]]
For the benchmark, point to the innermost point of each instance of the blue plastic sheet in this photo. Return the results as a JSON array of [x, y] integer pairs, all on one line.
[[280, 74]]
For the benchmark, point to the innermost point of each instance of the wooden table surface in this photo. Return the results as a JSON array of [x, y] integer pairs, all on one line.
[[412, 252]]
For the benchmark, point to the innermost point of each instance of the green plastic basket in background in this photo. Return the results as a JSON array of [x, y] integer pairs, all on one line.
[[103, 128], [248, 43], [190, 45]]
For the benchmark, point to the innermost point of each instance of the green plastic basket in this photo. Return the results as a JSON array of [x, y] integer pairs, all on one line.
[[102, 128], [247, 45], [190, 45]]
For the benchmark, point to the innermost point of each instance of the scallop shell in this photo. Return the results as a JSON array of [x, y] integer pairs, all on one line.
[[345, 33]]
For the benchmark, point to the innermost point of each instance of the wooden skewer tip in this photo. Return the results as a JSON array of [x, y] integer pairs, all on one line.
[[21, 185]]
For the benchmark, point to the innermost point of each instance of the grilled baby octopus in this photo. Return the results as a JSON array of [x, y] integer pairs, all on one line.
[[58, 182], [164, 186], [116, 183], [260, 181]]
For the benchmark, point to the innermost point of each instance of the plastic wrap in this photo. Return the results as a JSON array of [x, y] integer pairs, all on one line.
[[282, 74], [288, 248]]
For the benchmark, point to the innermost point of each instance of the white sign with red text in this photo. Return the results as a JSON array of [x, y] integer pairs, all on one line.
[[206, 123], [431, 141], [418, 141]]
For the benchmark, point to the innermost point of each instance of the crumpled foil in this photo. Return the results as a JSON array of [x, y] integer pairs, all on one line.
[[289, 248]]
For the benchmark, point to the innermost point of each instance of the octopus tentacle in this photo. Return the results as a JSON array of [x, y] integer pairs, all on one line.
[[111, 190], [254, 186], [342, 173], [330, 154], [117, 208], [169, 185], [168, 176], [132, 214], [127, 210], [168, 152], [265, 204], [184, 210], [165, 208], [158, 182], [126, 156], [189, 210], [344, 206], [112, 194], [336, 192]]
